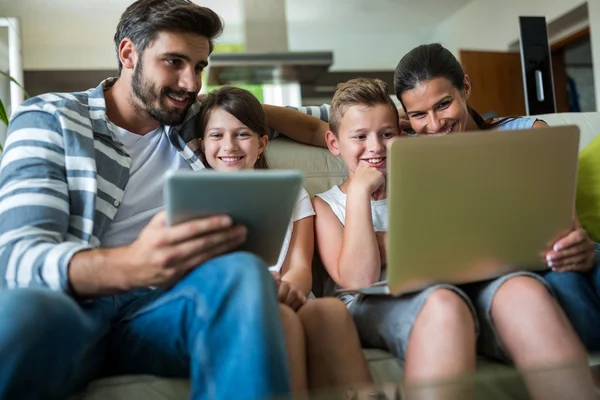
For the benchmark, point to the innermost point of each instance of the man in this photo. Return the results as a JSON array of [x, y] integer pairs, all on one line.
[[83, 240]]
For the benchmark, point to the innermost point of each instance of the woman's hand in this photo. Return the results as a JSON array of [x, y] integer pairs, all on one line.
[[573, 252]]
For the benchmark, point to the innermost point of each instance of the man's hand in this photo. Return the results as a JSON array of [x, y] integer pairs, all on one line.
[[290, 296], [163, 254], [368, 179], [574, 252]]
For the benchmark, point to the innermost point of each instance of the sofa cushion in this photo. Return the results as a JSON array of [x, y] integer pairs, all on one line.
[[588, 189], [321, 169], [132, 387]]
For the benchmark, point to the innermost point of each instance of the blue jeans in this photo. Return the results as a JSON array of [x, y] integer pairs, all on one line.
[[579, 295], [219, 326]]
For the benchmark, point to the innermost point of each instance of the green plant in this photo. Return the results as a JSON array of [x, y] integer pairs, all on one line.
[[3, 114]]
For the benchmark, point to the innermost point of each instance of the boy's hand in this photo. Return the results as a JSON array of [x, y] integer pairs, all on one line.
[[368, 179], [291, 296]]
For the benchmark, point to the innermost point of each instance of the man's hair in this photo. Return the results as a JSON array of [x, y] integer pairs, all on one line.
[[143, 20], [358, 92]]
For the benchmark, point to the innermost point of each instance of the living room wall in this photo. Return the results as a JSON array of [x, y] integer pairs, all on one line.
[[78, 35], [4, 82], [363, 34], [494, 25]]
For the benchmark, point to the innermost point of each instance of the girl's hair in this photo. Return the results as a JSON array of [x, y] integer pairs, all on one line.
[[429, 61], [242, 105]]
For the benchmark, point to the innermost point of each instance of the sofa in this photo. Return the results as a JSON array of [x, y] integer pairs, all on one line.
[[322, 171]]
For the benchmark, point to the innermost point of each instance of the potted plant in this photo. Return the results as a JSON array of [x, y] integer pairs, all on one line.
[[4, 118]]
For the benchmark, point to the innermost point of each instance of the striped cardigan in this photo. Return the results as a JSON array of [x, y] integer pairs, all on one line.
[[62, 177]]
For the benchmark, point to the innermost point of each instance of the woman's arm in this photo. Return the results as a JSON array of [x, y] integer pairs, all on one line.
[[297, 267], [296, 125]]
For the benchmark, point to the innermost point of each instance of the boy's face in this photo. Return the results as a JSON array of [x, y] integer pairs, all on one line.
[[363, 135]]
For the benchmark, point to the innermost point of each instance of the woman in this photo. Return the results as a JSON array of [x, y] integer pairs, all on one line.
[[434, 91]]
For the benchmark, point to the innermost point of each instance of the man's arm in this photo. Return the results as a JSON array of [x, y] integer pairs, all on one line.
[[305, 124], [161, 255], [38, 241], [35, 242]]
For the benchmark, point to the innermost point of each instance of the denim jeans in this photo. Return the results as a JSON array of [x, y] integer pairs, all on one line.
[[219, 326], [579, 295]]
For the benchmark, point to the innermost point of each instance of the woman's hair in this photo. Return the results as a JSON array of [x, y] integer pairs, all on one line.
[[429, 61], [242, 105]]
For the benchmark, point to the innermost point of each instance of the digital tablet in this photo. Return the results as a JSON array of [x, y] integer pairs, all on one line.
[[262, 200]]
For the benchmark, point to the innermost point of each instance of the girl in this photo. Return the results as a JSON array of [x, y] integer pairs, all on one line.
[[323, 345]]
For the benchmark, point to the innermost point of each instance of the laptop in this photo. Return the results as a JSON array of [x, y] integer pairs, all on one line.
[[472, 206]]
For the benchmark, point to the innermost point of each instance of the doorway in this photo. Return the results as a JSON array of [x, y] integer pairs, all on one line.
[[573, 73]]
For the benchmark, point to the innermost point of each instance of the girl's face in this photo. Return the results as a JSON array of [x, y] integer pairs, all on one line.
[[437, 107], [229, 145]]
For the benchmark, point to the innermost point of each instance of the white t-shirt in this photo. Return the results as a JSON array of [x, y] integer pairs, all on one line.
[[337, 201], [302, 209], [151, 155]]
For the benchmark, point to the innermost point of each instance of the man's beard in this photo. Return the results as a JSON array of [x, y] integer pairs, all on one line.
[[147, 95]]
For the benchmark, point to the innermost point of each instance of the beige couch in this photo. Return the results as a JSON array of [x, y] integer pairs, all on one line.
[[322, 171]]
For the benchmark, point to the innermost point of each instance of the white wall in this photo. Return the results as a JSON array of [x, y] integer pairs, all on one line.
[[594, 16], [78, 34], [494, 24], [363, 34], [4, 82]]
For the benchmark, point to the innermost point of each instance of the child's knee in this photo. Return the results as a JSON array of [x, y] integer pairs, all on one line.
[[289, 318], [522, 290], [446, 307], [325, 312]]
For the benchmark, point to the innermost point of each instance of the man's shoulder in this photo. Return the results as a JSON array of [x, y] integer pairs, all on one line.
[[78, 102], [77, 112], [188, 130]]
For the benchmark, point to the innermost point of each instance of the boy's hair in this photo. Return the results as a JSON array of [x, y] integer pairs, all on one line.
[[143, 20], [242, 105], [358, 92]]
